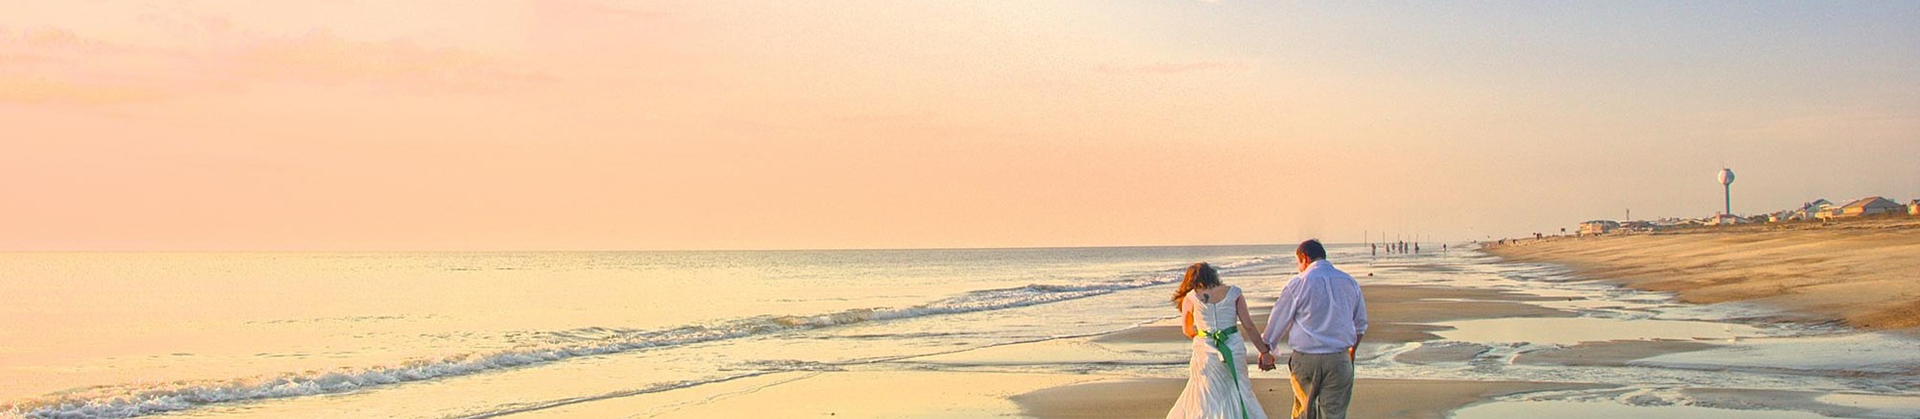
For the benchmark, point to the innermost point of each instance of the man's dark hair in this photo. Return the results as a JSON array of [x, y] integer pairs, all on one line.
[[1312, 249]]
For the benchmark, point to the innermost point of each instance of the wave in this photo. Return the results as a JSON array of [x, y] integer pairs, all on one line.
[[1263, 260], [118, 403]]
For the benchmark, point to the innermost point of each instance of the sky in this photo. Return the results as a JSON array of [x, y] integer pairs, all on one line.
[[719, 124]]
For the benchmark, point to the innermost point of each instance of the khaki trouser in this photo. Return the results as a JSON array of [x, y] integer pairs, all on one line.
[[1322, 385]]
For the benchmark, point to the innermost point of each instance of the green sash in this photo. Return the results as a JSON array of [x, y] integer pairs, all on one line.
[[1219, 340]]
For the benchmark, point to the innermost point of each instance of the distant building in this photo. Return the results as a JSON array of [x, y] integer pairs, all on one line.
[[1672, 222], [1871, 205], [1637, 226], [1828, 214], [1810, 209], [1598, 227], [1725, 220], [1807, 212]]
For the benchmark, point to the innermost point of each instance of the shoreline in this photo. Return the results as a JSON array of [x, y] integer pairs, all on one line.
[[1860, 276]]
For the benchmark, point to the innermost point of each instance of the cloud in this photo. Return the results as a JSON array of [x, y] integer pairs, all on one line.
[[52, 38], [578, 8], [322, 57], [55, 65], [58, 44], [59, 65], [41, 90], [1168, 68]]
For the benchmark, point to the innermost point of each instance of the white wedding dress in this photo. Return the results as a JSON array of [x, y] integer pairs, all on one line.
[[1217, 387]]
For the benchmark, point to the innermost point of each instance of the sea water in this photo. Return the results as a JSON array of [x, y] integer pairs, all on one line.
[[114, 335]]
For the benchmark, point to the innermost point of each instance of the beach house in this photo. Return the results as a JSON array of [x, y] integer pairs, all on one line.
[[1598, 227], [1725, 219], [1806, 212], [1872, 205], [1638, 226], [1676, 222]]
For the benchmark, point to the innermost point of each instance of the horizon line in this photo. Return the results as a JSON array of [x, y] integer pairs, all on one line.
[[846, 249]]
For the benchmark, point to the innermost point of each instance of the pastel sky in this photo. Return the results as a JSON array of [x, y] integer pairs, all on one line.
[[717, 124]]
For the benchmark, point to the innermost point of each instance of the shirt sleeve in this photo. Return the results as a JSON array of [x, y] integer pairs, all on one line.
[[1283, 312], [1359, 312]]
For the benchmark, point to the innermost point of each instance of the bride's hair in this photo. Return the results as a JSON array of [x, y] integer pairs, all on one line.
[[1199, 276]]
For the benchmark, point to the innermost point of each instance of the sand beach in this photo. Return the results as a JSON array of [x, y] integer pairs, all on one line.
[[1862, 274]]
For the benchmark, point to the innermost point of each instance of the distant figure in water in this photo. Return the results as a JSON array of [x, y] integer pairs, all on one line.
[[1374, 248], [1218, 385]]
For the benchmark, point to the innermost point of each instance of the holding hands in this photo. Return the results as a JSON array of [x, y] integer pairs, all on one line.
[[1267, 361]]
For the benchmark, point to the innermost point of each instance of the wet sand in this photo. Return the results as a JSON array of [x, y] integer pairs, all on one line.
[[1609, 354], [1372, 398], [1862, 275], [1398, 313], [1443, 353], [845, 394]]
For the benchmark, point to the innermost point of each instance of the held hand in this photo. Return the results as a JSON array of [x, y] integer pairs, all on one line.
[[1266, 362]]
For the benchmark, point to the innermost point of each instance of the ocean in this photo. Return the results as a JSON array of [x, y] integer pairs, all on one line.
[[115, 335]]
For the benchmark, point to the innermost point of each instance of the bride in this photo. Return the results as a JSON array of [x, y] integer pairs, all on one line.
[[1217, 386]]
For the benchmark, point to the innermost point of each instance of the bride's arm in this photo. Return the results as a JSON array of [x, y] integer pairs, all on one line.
[[1246, 323], [1186, 321]]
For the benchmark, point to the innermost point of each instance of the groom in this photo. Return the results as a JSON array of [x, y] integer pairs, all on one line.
[[1321, 315]]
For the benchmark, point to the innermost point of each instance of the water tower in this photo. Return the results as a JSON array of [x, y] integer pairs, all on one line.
[[1726, 182]]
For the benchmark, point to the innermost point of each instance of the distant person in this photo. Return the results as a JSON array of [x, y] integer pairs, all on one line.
[[1218, 385], [1322, 316]]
